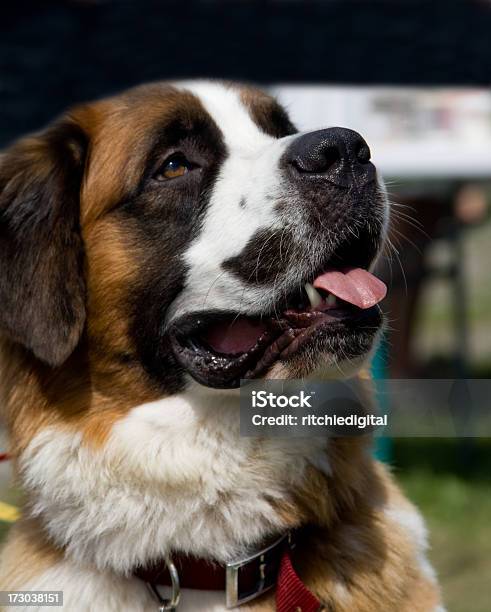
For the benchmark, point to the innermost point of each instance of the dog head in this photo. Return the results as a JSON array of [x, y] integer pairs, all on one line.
[[189, 230]]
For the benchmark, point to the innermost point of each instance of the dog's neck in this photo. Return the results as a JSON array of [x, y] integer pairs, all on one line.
[[172, 474]]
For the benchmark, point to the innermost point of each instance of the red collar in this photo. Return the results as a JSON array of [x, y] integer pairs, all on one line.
[[242, 581]]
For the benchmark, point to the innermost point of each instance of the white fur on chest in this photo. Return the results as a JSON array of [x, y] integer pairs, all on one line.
[[174, 475]]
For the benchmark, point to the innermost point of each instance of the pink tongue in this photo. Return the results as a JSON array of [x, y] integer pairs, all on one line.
[[353, 285], [236, 337]]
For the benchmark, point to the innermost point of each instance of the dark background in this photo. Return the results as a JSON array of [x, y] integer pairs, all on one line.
[[55, 53]]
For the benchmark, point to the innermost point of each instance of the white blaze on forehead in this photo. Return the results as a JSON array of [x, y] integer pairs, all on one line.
[[225, 106], [242, 202]]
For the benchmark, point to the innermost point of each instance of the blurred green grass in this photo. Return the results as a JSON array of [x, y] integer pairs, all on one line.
[[9, 495], [4, 527], [450, 481]]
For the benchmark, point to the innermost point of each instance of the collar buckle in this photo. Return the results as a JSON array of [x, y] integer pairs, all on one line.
[[246, 579]]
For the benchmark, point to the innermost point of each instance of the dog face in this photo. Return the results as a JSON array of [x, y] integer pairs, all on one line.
[[189, 231]]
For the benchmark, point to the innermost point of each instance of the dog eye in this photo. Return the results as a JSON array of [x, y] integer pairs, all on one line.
[[175, 166]]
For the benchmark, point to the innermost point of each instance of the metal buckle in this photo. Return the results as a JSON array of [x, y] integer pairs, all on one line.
[[233, 595], [168, 605]]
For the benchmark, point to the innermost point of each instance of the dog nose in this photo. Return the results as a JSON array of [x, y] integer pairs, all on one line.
[[337, 155]]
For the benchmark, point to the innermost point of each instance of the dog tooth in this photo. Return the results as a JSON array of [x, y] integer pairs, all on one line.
[[331, 300], [314, 296]]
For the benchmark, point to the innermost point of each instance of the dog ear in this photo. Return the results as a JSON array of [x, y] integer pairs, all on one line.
[[42, 288]]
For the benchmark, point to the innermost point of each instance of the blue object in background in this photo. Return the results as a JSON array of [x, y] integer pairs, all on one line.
[[383, 444]]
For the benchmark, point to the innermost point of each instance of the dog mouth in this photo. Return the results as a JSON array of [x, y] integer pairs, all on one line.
[[334, 309]]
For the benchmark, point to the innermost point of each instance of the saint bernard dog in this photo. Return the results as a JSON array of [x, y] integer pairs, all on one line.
[[156, 248]]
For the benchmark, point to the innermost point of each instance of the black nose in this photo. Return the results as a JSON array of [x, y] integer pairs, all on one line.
[[337, 155]]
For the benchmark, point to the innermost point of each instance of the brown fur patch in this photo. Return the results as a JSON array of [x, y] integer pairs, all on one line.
[[122, 129], [102, 380], [355, 557], [25, 555], [266, 112]]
